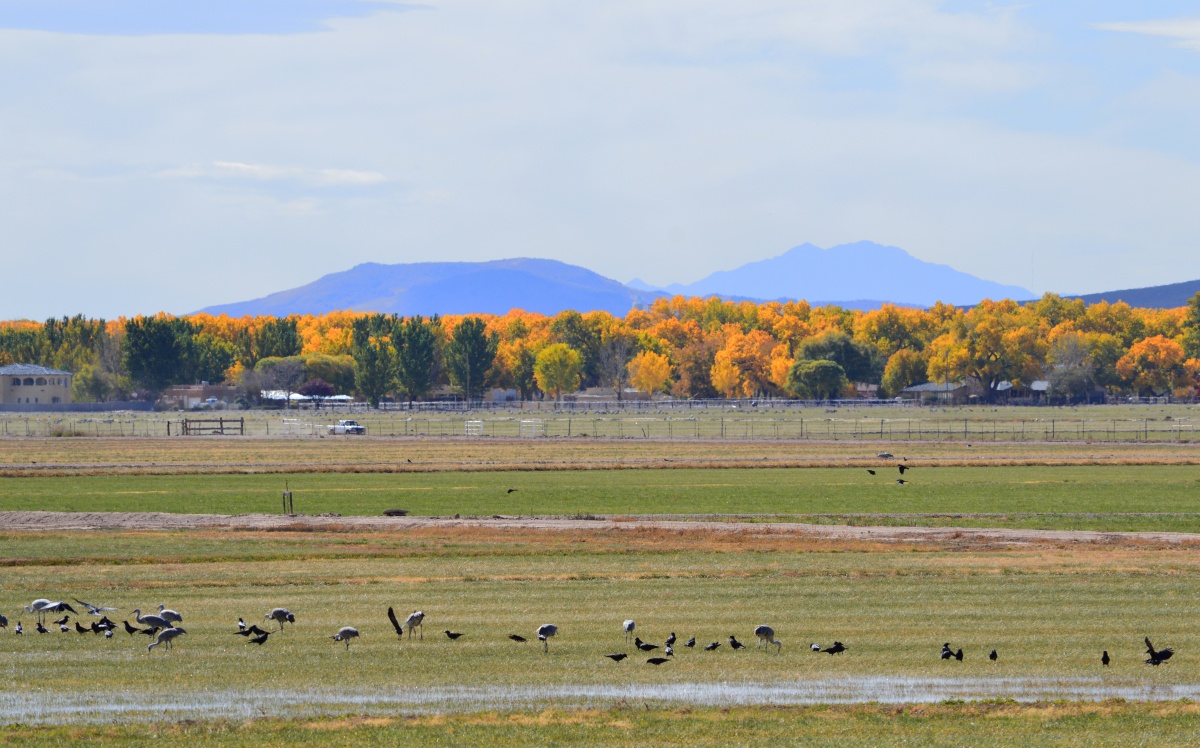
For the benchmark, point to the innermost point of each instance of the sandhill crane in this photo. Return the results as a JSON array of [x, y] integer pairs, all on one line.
[[170, 615], [282, 615], [735, 643], [415, 621], [766, 635], [42, 607], [617, 657], [452, 635], [95, 610], [152, 621], [544, 632], [657, 660], [628, 627], [345, 634], [166, 636]]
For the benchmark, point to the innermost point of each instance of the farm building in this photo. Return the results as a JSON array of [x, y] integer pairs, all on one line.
[[28, 384]]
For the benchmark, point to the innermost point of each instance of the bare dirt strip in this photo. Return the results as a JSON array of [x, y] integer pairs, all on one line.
[[161, 521]]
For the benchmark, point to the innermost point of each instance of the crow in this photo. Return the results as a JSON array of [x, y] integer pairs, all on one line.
[[993, 656], [42, 629], [690, 643], [510, 490], [81, 629], [395, 624], [735, 643], [62, 621], [452, 635], [837, 648], [901, 481], [617, 657], [517, 638], [869, 470], [241, 625], [657, 660], [259, 639], [885, 455], [947, 653], [131, 630], [1105, 659], [958, 655], [671, 639], [1157, 657], [643, 645], [711, 647], [902, 468]]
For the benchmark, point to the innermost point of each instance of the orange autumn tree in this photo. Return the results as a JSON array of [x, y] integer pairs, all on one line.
[[1157, 366]]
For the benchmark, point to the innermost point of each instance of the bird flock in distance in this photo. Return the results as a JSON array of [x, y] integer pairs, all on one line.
[[164, 627]]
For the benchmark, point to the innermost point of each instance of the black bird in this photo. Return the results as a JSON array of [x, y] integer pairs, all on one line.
[[62, 621], [657, 660], [690, 643], [131, 630], [42, 629], [711, 647], [902, 468], [510, 490], [517, 638], [814, 647], [671, 639], [1105, 659], [837, 648], [993, 656], [958, 655], [947, 653], [148, 632], [617, 657], [643, 645], [241, 625], [106, 624], [452, 635], [18, 630], [396, 624], [869, 470], [81, 629], [1157, 657], [901, 481], [260, 638], [735, 643]]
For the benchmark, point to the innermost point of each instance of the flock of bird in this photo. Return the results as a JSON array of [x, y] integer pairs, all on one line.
[[899, 466], [164, 627]]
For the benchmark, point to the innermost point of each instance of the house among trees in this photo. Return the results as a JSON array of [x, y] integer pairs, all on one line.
[[28, 384], [952, 393]]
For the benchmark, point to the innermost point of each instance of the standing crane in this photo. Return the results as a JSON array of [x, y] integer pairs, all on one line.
[[766, 636], [166, 636], [628, 626], [544, 632], [345, 634]]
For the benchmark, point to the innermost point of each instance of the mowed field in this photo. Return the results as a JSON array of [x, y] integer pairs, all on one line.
[[1049, 610], [1097, 497]]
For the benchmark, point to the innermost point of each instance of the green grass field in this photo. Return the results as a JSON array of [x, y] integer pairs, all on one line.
[[1049, 611], [1109, 498]]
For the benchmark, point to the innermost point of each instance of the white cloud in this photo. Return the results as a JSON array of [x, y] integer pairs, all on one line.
[[235, 170], [1185, 31]]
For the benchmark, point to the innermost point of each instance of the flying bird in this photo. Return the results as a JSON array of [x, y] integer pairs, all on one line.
[[617, 657], [657, 660], [902, 468], [452, 635], [93, 609], [885, 455], [869, 470], [901, 481], [345, 634], [1159, 656]]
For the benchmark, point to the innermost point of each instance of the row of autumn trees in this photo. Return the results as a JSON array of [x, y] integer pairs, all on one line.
[[688, 347]]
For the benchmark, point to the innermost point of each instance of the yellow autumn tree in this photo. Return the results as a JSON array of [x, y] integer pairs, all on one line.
[[1154, 366], [650, 372], [557, 369], [726, 378]]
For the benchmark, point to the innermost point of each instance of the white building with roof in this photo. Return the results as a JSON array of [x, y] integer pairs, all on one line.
[[29, 384]]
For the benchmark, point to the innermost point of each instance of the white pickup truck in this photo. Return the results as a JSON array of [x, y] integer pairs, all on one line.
[[346, 426]]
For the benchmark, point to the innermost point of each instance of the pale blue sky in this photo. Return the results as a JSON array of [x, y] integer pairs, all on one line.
[[161, 157]]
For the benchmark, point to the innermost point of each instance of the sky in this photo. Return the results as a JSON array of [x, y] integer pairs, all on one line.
[[162, 155]]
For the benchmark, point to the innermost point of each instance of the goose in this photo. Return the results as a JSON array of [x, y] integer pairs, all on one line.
[[345, 634], [544, 632], [166, 636]]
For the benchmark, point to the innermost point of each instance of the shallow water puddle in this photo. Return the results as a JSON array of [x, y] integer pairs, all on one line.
[[48, 707]]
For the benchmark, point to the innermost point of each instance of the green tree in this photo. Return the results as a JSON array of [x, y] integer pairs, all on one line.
[[338, 371], [275, 338], [470, 355], [817, 380], [158, 351], [557, 369], [585, 337], [860, 362], [416, 354], [904, 369], [90, 385], [374, 357], [211, 358]]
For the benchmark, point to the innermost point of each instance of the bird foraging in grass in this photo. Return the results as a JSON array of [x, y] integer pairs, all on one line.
[[735, 643], [166, 636], [947, 653], [643, 645], [259, 639], [869, 470], [711, 647], [617, 657], [766, 636], [837, 648], [544, 633], [959, 654], [452, 635], [814, 647], [1105, 659], [281, 615], [628, 628], [511, 490], [690, 643], [241, 624], [1157, 656], [902, 482], [671, 640], [993, 656], [345, 634], [657, 660], [518, 638]]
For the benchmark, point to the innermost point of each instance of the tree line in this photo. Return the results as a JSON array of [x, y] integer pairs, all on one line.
[[686, 347]]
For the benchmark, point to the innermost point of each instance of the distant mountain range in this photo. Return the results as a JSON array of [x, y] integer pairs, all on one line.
[[862, 275]]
